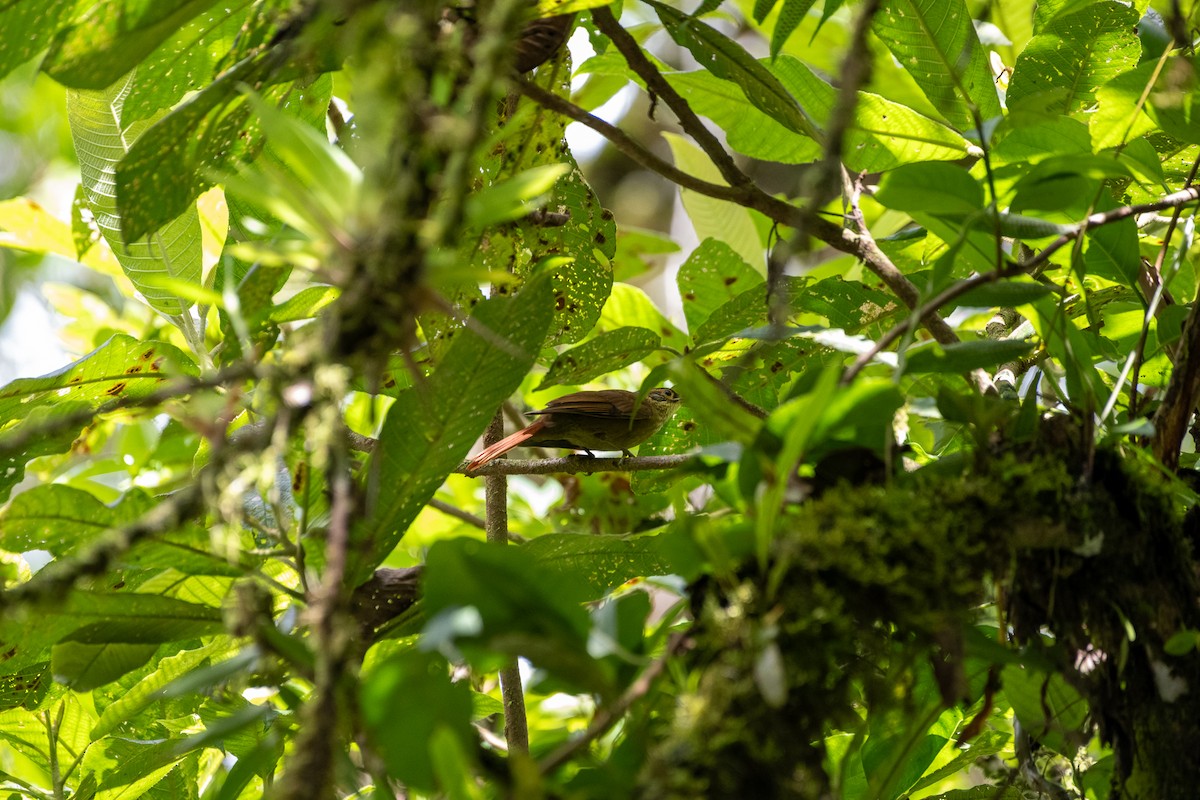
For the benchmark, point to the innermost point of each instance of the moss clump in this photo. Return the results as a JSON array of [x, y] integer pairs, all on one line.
[[870, 589]]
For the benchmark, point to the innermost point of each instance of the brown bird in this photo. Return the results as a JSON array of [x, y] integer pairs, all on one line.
[[612, 419]]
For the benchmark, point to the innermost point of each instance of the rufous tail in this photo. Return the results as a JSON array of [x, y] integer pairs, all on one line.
[[504, 445]]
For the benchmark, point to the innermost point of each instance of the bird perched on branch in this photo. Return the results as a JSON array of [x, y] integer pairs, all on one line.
[[612, 419]]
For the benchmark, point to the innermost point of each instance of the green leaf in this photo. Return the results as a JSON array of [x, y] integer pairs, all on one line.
[[935, 188], [598, 564], [747, 129], [716, 219], [606, 353], [847, 304], [1182, 642], [1004, 294], [102, 618], [964, 356], [1046, 704], [100, 143], [580, 251], [1077, 53], [988, 743], [629, 306], [484, 599], [141, 619], [84, 667], [935, 41], [1065, 182], [728, 60], [1022, 227], [127, 768], [790, 17], [182, 154], [121, 368], [1112, 250], [747, 310], [514, 197], [1172, 101], [430, 427], [415, 687], [29, 28], [882, 135], [148, 690], [1026, 139], [61, 519], [194, 56], [110, 39], [550, 8], [712, 275], [25, 688], [1119, 117], [304, 304]]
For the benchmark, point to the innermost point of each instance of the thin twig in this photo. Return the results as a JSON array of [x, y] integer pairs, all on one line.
[[956, 290], [1159, 291], [173, 388], [606, 717], [627, 145], [458, 513]]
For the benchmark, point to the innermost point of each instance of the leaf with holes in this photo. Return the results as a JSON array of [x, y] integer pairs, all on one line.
[[1062, 67], [607, 352], [575, 235]]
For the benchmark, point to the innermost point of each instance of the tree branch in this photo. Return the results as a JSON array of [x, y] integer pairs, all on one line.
[[860, 245], [607, 24], [956, 290], [512, 695], [174, 388], [574, 465]]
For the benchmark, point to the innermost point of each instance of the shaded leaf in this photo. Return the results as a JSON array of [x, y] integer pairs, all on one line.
[[182, 154], [29, 28], [606, 353], [790, 17], [430, 428], [965, 356], [415, 687]]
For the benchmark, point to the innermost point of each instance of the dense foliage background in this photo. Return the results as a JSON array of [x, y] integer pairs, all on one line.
[[923, 271]]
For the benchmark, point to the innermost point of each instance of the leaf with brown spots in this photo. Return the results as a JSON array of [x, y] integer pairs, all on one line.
[[607, 352], [713, 275], [99, 377]]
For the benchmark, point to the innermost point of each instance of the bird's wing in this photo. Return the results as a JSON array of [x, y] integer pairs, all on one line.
[[592, 403]]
